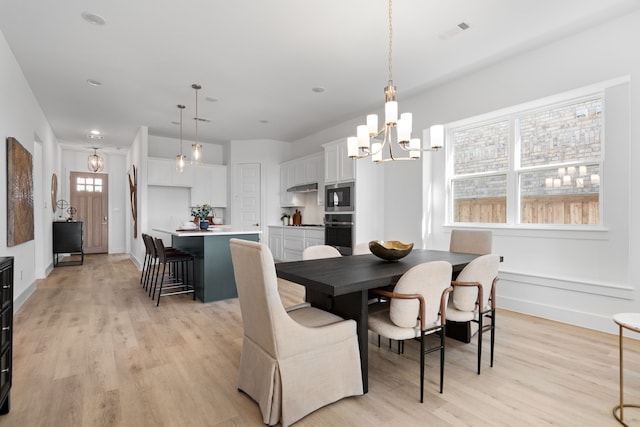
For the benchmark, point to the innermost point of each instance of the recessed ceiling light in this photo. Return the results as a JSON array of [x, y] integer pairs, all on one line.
[[264, 121], [92, 82], [317, 89], [175, 123], [95, 132], [211, 99], [92, 18]]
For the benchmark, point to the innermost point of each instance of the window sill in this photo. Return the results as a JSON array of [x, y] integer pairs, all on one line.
[[560, 231]]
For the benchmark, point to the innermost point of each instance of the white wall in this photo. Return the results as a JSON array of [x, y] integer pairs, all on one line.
[[22, 118], [577, 277], [572, 276]]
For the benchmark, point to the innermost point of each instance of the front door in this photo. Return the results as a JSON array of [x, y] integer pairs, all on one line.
[[90, 197]]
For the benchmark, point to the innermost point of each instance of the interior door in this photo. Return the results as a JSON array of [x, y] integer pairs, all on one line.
[[248, 191], [90, 197]]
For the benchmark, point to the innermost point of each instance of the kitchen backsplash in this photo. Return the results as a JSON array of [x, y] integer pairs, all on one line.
[[311, 212]]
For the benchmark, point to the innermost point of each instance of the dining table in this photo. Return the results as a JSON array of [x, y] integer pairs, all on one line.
[[341, 285]]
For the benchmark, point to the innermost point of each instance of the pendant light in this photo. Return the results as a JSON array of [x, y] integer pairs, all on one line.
[[95, 163], [180, 158], [196, 148]]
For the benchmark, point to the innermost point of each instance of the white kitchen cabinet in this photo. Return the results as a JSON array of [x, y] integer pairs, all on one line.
[[275, 243], [209, 185], [338, 167], [287, 177], [287, 242], [292, 243], [313, 238], [306, 170], [163, 172]]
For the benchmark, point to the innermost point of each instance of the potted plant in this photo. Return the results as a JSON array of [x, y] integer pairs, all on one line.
[[202, 212], [285, 218]]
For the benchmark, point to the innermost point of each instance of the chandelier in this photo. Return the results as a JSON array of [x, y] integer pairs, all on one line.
[[95, 163], [196, 149], [180, 158], [360, 146]]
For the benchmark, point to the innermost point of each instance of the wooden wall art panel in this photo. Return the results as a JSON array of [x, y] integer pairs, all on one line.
[[19, 193]]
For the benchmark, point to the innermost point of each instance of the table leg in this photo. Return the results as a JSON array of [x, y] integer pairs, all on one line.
[[350, 306]]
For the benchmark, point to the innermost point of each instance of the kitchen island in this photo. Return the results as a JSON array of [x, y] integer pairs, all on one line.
[[214, 279]]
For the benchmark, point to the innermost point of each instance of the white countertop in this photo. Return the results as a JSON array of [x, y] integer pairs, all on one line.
[[301, 227], [212, 231]]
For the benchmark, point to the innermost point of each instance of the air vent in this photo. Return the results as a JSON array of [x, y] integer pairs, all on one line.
[[462, 26]]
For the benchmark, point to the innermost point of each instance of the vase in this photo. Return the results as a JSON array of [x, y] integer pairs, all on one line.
[[204, 225]]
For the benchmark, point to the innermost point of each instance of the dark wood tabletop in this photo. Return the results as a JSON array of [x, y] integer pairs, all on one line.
[[344, 275]]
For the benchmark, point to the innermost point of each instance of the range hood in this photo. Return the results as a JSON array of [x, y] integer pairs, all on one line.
[[304, 188]]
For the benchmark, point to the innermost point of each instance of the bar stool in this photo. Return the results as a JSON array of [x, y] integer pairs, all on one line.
[[177, 262], [629, 321]]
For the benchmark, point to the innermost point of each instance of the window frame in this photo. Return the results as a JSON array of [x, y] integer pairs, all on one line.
[[514, 170]]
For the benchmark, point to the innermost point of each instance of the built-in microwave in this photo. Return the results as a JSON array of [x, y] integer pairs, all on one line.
[[340, 197]]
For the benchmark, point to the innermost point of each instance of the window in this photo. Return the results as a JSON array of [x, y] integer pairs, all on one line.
[[89, 184], [535, 165]]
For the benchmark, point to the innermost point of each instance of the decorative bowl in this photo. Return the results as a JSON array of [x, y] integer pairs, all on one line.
[[390, 250]]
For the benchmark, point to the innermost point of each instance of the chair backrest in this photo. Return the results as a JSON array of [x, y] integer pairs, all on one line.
[[482, 269], [257, 284], [320, 251], [159, 249], [148, 245], [361, 249], [470, 241], [429, 279]]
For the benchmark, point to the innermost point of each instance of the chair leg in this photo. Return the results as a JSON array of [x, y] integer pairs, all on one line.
[[493, 333], [164, 266], [144, 268], [422, 338], [442, 335], [480, 316]]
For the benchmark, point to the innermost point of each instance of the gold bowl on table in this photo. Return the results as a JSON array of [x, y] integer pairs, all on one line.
[[390, 250]]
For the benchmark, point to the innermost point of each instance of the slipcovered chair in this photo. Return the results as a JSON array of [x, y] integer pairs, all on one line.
[[361, 249], [470, 241], [417, 309], [474, 297], [319, 252], [292, 362]]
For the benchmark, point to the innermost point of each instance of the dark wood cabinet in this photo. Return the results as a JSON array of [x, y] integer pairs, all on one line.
[[6, 331], [67, 239]]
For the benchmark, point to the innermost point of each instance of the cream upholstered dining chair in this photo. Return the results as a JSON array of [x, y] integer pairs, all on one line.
[[474, 297], [471, 241], [292, 362], [417, 309], [320, 251], [361, 249]]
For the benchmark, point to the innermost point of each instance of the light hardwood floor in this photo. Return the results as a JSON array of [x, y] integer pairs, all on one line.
[[91, 349]]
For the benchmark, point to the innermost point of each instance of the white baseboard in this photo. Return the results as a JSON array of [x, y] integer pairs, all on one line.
[[23, 297]]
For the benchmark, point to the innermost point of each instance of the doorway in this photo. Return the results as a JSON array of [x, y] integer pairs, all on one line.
[[248, 191], [90, 197]]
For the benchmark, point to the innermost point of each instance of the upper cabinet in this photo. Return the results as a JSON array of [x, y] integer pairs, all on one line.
[[163, 172], [208, 183], [306, 170], [287, 179], [338, 166]]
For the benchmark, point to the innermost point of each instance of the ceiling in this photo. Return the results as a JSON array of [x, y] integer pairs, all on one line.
[[257, 61]]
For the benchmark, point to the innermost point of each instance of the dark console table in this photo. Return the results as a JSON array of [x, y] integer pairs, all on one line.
[[6, 331], [67, 239]]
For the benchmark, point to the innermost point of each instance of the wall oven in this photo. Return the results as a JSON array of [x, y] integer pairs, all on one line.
[[338, 232], [340, 197]]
